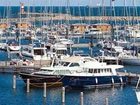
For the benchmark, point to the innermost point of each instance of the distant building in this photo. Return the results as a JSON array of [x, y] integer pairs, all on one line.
[[103, 27], [4, 25], [23, 25], [78, 28]]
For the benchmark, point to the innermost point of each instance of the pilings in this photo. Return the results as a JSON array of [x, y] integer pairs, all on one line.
[[81, 98], [113, 81], [63, 95], [28, 85], [44, 95], [14, 81], [106, 101]]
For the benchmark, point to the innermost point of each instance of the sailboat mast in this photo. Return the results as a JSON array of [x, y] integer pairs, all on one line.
[[133, 3], [20, 17], [79, 11], [103, 12], [124, 3], [124, 12], [89, 12], [28, 9], [67, 12], [135, 12], [110, 15], [67, 18]]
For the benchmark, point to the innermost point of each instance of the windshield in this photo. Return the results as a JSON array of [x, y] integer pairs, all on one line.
[[38, 52], [65, 63]]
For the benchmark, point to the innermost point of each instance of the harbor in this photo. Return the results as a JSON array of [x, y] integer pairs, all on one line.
[[70, 52]]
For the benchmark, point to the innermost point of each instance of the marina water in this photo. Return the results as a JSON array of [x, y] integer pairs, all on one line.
[[9, 96], [116, 95]]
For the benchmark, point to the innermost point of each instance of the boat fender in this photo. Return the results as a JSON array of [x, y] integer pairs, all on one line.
[[96, 80], [112, 80], [121, 80]]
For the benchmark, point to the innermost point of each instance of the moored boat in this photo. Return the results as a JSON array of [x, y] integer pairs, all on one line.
[[77, 71], [13, 46]]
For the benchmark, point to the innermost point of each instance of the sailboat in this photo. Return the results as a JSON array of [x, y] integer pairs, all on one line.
[[13, 46], [131, 57], [2, 42]]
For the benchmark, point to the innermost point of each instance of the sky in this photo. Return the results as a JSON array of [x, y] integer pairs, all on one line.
[[71, 2]]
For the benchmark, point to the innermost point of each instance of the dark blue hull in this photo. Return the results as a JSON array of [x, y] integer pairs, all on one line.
[[76, 81], [38, 80]]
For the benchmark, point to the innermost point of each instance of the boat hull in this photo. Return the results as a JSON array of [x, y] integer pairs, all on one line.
[[14, 48], [38, 80], [73, 81], [83, 81]]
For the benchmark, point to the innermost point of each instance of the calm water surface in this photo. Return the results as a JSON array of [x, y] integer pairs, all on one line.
[[117, 96]]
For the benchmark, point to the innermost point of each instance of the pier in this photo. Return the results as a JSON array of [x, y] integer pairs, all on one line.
[[70, 17], [5, 66], [132, 77]]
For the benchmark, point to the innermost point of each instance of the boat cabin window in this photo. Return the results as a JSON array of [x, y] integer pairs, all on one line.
[[25, 49], [95, 70], [29, 51], [38, 52], [90, 71], [86, 32], [61, 52], [94, 30], [65, 63], [99, 70], [48, 47], [61, 72], [74, 64], [53, 50]]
